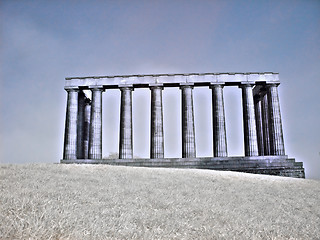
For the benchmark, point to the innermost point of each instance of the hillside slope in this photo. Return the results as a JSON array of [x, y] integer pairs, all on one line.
[[55, 201]]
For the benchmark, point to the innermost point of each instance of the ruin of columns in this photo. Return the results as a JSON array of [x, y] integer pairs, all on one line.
[[262, 127], [264, 151]]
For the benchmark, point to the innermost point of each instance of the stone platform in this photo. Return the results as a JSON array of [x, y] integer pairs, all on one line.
[[270, 165]]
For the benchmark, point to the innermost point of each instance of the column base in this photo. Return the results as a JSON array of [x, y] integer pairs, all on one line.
[[269, 165]]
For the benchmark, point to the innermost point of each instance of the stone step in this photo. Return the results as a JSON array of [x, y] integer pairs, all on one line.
[[271, 165]]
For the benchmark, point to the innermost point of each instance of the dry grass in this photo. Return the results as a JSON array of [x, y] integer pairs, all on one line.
[[53, 201]]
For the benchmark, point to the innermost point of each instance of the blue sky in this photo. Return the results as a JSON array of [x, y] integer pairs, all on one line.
[[42, 42]]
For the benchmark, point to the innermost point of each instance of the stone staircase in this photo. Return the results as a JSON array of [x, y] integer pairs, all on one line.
[[270, 165]]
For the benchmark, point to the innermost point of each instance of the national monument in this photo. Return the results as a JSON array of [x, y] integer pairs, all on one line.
[[263, 136]]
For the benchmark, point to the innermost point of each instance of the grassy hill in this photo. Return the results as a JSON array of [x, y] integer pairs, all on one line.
[[55, 201]]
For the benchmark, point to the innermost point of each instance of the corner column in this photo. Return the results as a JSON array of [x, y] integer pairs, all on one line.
[[95, 138], [188, 131], [249, 121], [125, 143], [157, 138], [276, 134], [219, 125], [70, 134]]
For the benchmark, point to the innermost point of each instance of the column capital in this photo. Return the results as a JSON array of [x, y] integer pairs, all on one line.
[[96, 88], [272, 84], [246, 84], [155, 85], [186, 85], [216, 84], [126, 87], [74, 88]]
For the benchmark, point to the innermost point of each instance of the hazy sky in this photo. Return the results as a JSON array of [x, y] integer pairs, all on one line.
[[42, 42]]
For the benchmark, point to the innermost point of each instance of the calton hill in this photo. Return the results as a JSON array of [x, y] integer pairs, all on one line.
[[69, 201]]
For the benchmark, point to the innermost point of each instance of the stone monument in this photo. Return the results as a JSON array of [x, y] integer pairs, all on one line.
[[263, 137]]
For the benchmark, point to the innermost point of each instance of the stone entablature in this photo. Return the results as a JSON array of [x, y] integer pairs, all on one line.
[[262, 123], [167, 80]]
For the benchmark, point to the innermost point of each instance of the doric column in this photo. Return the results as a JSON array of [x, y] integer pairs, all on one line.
[[219, 125], [125, 143], [258, 115], [188, 132], [95, 139], [70, 135], [249, 121], [156, 139], [276, 135], [86, 128], [80, 125], [265, 125]]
